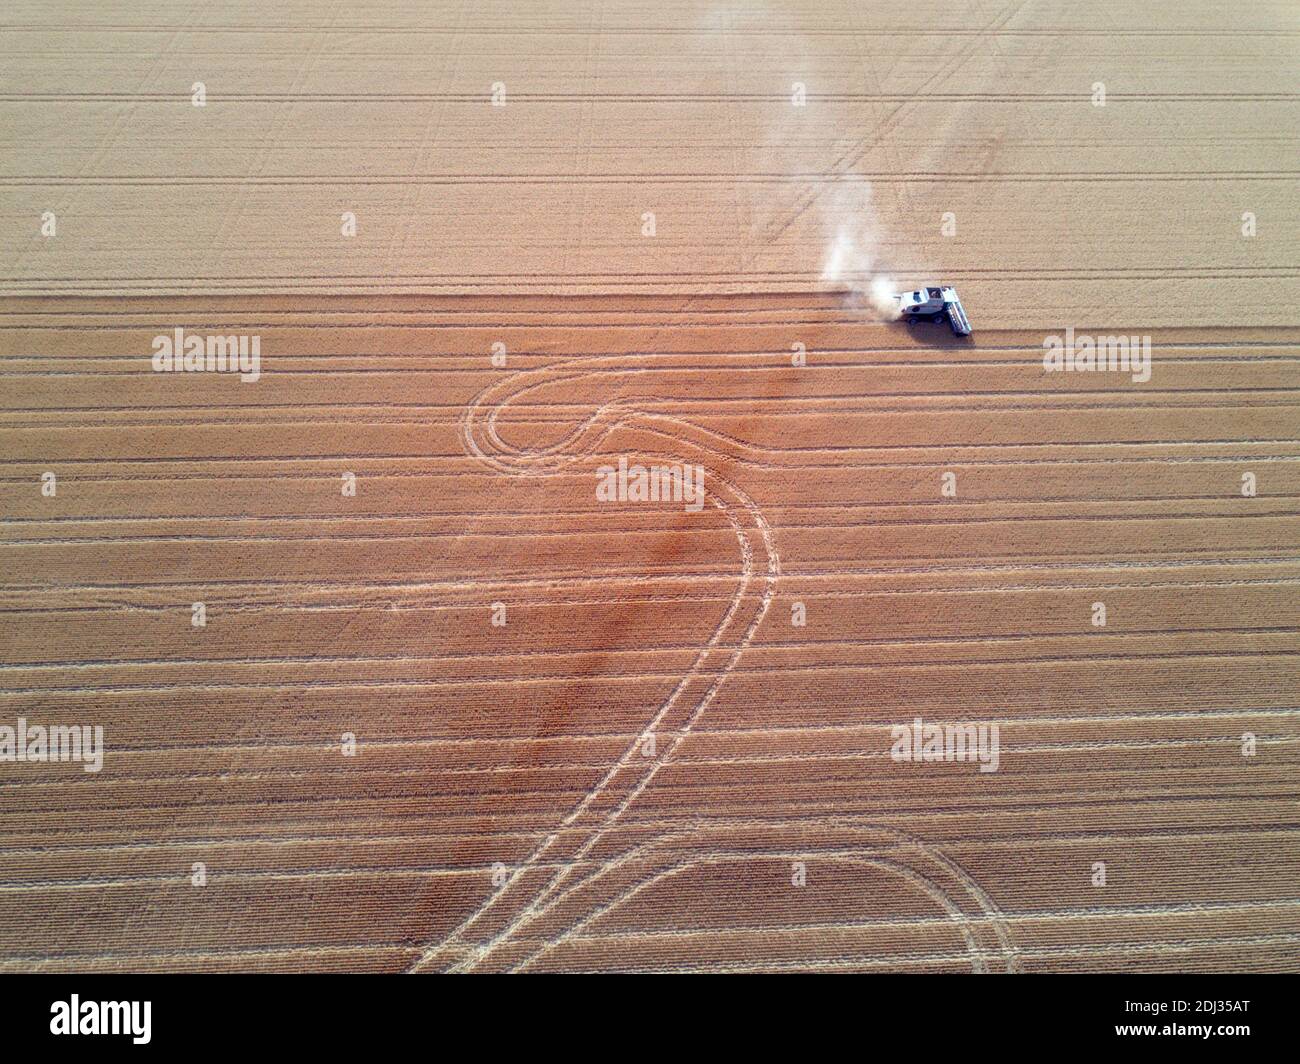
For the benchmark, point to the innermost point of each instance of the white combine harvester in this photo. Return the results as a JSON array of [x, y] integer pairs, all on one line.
[[931, 304]]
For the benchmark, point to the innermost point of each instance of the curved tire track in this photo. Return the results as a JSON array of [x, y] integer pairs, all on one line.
[[554, 871]]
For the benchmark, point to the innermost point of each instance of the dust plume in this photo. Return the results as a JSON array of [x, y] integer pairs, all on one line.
[[851, 263]]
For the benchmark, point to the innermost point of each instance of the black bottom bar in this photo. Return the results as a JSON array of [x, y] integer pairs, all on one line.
[[1222, 1014]]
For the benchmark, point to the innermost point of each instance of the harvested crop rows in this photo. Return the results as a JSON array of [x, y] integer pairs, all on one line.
[[519, 749]]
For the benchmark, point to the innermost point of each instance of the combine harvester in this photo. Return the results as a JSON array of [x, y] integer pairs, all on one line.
[[931, 304]]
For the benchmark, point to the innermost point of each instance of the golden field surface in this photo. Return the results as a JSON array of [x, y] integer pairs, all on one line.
[[450, 710]]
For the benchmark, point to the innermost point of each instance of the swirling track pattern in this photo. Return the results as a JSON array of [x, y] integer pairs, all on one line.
[[504, 930]]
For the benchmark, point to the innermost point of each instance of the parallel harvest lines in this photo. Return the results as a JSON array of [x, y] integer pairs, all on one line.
[[485, 746]]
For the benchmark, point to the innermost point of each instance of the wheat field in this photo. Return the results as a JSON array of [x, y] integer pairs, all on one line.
[[385, 682]]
